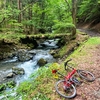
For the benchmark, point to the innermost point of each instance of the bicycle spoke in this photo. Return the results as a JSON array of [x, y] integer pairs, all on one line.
[[88, 76], [66, 90]]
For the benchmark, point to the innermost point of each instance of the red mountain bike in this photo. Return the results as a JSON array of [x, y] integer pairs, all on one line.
[[66, 87]]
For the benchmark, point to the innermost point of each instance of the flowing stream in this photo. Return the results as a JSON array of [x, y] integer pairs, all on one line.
[[31, 65]]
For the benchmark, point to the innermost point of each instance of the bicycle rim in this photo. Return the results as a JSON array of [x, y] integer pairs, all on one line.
[[69, 92], [88, 76]]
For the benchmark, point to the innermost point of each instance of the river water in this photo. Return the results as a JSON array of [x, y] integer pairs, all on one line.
[[29, 66]]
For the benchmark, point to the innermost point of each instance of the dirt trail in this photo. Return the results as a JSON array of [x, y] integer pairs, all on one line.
[[92, 33], [91, 62], [89, 59], [90, 91]]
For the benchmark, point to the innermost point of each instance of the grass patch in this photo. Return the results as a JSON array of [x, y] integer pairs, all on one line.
[[42, 84], [93, 41], [82, 53], [62, 51]]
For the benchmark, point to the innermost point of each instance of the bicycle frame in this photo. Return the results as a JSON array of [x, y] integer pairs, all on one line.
[[67, 78], [70, 74]]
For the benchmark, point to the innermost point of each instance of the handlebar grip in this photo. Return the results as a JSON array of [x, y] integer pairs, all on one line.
[[66, 63]]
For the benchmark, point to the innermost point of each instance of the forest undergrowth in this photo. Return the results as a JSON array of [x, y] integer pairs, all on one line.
[[86, 57], [42, 86]]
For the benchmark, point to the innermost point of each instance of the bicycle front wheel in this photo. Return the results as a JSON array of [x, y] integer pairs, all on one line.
[[88, 76], [64, 91]]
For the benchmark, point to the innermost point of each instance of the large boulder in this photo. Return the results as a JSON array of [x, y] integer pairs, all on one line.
[[61, 42], [23, 55], [42, 62], [15, 71], [54, 53], [10, 75]]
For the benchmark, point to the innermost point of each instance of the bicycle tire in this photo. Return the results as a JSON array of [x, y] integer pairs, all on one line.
[[88, 76], [60, 89]]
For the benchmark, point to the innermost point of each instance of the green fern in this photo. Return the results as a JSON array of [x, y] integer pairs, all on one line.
[[85, 11]]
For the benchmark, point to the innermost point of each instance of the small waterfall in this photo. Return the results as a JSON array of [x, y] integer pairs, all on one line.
[[29, 68]]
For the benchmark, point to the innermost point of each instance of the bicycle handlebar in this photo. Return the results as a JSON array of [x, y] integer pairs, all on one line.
[[54, 71], [66, 64]]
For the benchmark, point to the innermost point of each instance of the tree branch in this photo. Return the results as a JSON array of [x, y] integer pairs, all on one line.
[[2, 20], [68, 5]]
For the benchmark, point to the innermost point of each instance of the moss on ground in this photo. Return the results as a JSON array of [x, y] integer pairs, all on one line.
[[72, 45], [84, 50]]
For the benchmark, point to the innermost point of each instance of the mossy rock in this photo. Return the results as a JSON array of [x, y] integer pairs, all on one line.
[[23, 55], [30, 45], [42, 62], [10, 75], [18, 71], [56, 55]]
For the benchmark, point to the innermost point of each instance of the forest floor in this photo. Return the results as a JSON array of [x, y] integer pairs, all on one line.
[[88, 58]]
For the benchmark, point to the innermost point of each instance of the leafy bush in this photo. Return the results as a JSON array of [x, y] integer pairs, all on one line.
[[40, 86], [61, 27], [85, 13]]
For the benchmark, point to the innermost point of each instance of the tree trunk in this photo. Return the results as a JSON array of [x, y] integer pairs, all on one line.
[[30, 18], [42, 17], [20, 14], [74, 9]]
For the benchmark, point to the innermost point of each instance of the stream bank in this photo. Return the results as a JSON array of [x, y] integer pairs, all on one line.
[[10, 48], [86, 57], [70, 47]]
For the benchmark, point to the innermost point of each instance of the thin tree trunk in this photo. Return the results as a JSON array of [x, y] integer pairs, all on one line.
[[43, 14], [19, 7], [21, 12], [30, 18], [74, 9]]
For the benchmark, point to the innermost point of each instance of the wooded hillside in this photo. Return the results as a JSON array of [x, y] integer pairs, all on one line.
[[34, 16]]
